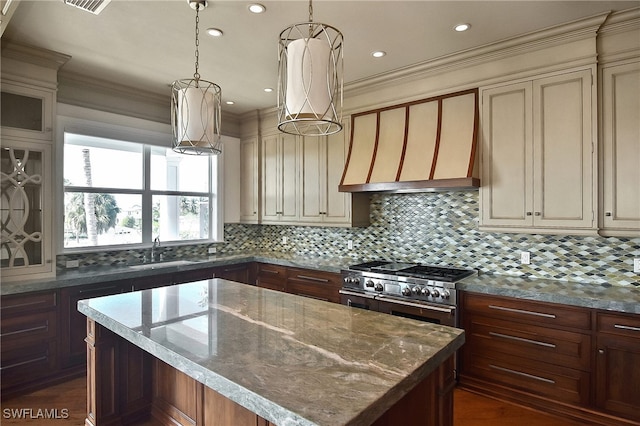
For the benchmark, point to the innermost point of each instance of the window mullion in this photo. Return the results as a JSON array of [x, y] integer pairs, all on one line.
[[147, 197]]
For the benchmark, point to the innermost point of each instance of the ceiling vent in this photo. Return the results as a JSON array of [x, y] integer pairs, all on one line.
[[93, 6]]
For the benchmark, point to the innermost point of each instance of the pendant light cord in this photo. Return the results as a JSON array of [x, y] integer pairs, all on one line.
[[196, 75]]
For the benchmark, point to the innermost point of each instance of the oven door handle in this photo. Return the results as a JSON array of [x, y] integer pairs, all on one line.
[[354, 293], [448, 310]]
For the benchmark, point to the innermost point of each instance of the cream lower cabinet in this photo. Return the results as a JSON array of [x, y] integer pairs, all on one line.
[[620, 211], [537, 155], [249, 180], [279, 179]]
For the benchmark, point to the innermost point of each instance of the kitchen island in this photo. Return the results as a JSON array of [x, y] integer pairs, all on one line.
[[219, 352]]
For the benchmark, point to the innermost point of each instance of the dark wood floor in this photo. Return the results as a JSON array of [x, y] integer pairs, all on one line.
[[470, 409]]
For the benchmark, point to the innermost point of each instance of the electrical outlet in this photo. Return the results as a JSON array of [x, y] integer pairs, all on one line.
[[72, 263], [284, 240], [212, 250], [525, 258], [636, 266], [350, 244]]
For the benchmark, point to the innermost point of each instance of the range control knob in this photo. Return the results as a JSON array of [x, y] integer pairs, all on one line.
[[416, 290], [425, 291], [406, 291], [369, 283], [445, 294], [435, 292], [379, 287]]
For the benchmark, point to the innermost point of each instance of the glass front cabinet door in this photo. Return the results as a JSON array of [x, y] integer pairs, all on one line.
[[26, 111], [25, 205]]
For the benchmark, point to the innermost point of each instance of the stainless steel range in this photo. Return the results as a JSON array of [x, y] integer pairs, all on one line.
[[422, 292]]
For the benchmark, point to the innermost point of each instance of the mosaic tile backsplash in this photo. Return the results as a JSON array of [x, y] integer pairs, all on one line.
[[432, 228]]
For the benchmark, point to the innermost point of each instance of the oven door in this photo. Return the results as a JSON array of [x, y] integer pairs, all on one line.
[[445, 315], [358, 300]]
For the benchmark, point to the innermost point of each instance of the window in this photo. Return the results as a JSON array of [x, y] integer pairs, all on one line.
[[136, 192]]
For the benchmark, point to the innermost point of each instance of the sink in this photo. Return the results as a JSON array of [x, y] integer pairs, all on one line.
[[167, 264]]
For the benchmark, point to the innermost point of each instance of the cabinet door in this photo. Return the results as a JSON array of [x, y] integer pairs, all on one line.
[[27, 112], [270, 174], [249, 194], [507, 153], [563, 152], [238, 273], [337, 204], [73, 324], [621, 150], [280, 179], [25, 206], [312, 181]]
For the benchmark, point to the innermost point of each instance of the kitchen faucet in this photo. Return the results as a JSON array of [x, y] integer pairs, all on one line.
[[156, 244]]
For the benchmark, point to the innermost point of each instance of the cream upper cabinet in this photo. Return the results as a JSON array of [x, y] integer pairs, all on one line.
[[25, 207], [279, 179], [27, 111], [322, 162], [249, 178], [537, 155], [620, 210]]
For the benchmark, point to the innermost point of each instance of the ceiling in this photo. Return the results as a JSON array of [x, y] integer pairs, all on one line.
[[148, 44]]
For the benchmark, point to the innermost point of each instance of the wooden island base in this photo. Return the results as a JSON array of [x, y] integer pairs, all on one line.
[[125, 384]]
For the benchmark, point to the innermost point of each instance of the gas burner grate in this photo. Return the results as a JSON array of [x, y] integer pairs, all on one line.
[[368, 266], [435, 273]]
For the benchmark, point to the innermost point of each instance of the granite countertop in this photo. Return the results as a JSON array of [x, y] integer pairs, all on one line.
[[290, 359], [599, 296]]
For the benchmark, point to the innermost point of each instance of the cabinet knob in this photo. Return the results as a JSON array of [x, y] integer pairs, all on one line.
[[537, 213], [528, 213], [601, 351], [608, 214]]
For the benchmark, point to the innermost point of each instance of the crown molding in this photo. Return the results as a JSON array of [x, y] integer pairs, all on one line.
[[33, 55]]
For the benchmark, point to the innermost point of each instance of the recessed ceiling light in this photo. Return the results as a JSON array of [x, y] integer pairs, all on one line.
[[268, 89], [462, 27], [378, 54], [214, 32], [230, 103], [257, 8]]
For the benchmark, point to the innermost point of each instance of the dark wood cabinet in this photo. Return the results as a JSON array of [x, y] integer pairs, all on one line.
[[618, 364], [317, 284], [73, 324], [29, 333], [270, 276], [574, 362], [242, 273]]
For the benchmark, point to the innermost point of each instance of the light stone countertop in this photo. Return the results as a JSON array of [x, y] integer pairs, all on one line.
[[290, 359]]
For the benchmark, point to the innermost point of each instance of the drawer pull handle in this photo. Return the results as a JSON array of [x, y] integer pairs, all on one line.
[[18, 364], [520, 373], [96, 290], [24, 305], [626, 327], [269, 271], [522, 339], [26, 330], [521, 311], [308, 278]]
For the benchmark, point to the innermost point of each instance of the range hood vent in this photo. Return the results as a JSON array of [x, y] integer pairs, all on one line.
[[93, 6], [421, 146]]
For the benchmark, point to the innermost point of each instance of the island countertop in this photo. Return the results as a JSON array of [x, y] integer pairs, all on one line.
[[289, 359]]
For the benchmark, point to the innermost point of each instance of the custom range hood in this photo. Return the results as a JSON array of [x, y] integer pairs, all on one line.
[[420, 146]]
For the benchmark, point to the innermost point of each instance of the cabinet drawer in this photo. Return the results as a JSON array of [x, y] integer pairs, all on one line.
[[316, 284], [35, 327], [559, 383], [563, 348], [620, 324], [526, 311], [19, 304], [271, 276], [27, 363]]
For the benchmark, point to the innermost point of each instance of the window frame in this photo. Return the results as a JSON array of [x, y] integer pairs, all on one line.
[[149, 134]]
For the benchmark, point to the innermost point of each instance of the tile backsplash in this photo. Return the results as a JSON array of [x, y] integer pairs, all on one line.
[[433, 228]]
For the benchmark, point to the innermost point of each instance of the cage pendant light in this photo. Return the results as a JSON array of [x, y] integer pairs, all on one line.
[[196, 108], [310, 81]]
